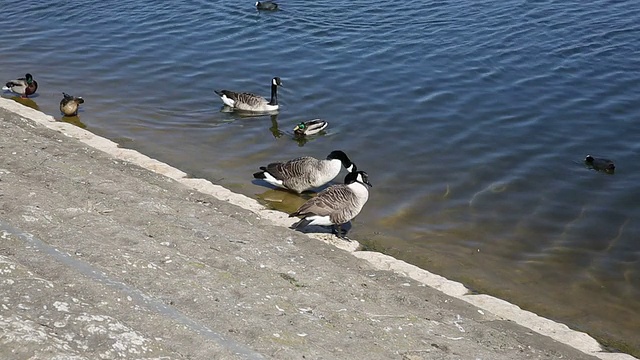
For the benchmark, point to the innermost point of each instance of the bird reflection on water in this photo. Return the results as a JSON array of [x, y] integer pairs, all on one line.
[[26, 101], [74, 120]]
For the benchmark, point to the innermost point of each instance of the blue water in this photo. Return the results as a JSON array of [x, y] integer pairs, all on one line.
[[472, 119]]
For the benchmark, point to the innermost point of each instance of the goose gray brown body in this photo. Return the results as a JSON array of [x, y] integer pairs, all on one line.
[[336, 205], [305, 173], [245, 101]]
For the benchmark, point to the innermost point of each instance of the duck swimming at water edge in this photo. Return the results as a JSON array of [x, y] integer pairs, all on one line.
[[23, 86], [69, 104]]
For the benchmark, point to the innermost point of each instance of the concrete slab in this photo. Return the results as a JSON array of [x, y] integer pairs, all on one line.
[[106, 253]]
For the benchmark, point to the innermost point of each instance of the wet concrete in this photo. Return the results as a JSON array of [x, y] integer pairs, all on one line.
[[105, 253]]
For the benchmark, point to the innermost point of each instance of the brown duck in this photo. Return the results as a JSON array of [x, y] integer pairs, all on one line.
[[69, 104]]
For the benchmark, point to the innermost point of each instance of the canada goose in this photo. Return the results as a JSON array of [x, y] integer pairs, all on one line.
[[69, 104], [24, 86], [600, 164], [336, 205], [305, 172], [251, 102], [310, 127], [266, 5]]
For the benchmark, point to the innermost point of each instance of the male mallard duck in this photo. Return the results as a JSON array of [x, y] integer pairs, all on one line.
[[251, 102], [69, 104], [305, 172], [600, 164], [310, 127], [336, 205], [24, 86], [266, 5]]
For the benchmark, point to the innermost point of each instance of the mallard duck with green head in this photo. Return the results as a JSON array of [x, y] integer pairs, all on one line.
[[24, 86], [310, 127], [69, 104]]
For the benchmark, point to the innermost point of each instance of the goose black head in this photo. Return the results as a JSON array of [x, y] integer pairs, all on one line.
[[340, 155], [357, 176]]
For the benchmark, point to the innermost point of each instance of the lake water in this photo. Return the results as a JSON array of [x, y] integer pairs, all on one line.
[[472, 119]]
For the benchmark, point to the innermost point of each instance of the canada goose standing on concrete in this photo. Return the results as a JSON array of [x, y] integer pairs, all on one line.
[[251, 102], [336, 205], [305, 172]]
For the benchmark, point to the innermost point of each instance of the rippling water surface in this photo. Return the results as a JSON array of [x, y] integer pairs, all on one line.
[[471, 117]]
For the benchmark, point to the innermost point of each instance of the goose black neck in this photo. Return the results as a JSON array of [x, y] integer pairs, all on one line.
[[274, 94]]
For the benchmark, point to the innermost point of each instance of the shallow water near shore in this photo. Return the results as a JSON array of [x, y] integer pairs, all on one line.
[[471, 118]]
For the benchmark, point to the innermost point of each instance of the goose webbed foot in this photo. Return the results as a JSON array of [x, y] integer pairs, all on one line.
[[338, 231]]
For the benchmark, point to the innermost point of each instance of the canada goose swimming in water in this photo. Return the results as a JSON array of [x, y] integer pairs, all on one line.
[[336, 205], [251, 102], [69, 104], [305, 172], [600, 164], [310, 127], [266, 5], [24, 86]]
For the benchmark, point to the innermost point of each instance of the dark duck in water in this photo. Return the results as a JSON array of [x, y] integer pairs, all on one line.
[[600, 164], [266, 5]]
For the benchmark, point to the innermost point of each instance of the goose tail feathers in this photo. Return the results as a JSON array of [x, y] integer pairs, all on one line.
[[259, 175], [300, 224]]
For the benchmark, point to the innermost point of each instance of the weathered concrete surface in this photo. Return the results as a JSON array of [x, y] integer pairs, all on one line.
[[103, 259]]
